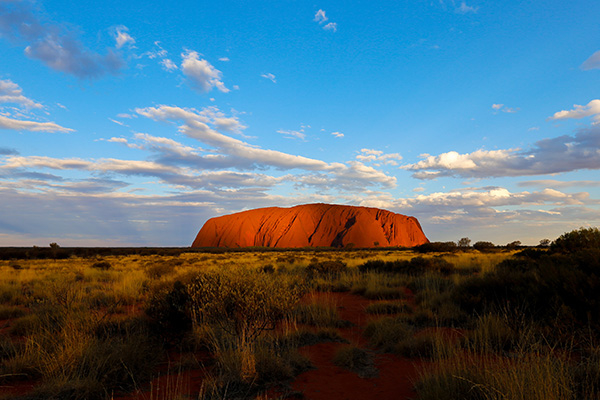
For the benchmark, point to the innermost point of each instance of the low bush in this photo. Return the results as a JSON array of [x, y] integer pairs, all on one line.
[[102, 265], [437, 247], [416, 266], [577, 240], [386, 333], [318, 314], [388, 307], [169, 310], [243, 304], [357, 360], [330, 267], [7, 312]]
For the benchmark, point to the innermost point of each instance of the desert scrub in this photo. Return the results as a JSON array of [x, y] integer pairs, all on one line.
[[320, 311], [242, 303], [66, 350], [493, 333], [388, 307], [7, 312], [385, 333], [357, 360], [429, 344], [168, 307], [379, 286], [469, 375]]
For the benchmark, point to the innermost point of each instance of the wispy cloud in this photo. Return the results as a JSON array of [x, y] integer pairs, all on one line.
[[321, 18], [465, 9], [122, 36], [168, 64], [338, 134], [592, 109], [552, 183], [561, 154], [332, 26], [270, 77], [593, 62], [501, 107], [10, 92], [293, 134], [378, 156], [53, 43], [202, 75], [20, 125]]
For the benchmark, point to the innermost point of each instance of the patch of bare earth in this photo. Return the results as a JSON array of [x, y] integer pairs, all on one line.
[[396, 375]]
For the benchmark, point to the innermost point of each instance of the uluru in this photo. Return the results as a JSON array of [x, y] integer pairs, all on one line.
[[312, 225]]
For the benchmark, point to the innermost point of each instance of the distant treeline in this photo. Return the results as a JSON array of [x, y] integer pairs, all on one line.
[[57, 252]]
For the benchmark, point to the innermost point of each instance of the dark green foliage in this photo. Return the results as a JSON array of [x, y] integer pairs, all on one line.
[[437, 247], [169, 310], [416, 266], [484, 246], [330, 267], [577, 240], [543, 288], [103, 265], [268, 269], [531, 253], [357, 360]]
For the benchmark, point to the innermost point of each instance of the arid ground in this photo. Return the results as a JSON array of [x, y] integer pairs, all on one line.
[[434, 322]]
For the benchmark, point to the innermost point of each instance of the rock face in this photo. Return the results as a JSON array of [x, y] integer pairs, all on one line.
[[314, 225]]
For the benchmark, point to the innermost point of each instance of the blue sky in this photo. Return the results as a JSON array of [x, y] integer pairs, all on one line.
[[132, 123]]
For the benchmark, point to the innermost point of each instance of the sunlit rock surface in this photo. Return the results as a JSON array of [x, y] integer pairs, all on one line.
[[311, 225]]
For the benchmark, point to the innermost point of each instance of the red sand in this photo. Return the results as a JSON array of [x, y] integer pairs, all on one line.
[[328, 381], [311, 225]]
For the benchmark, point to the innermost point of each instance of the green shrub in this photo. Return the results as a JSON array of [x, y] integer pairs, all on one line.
[[386, 333], [7, 312], [416, 266], [437, 247], [357, 360], [577, 240], [169, 309], [318, 314], [484, 246], [330, 267], [388, 307], [102, 265], [243, 304]]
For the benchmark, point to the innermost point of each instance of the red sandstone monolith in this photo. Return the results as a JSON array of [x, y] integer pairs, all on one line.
[[312, 225]]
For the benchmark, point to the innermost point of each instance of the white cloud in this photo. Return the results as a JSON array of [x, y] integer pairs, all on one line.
[[168, 65], [320, 16], [338, 134], [371, 155], [499, 107], [269, 76], [10, 92], [117, 122], [293, 134], [591, 63], [224, 59], [578, 112], [548, 156], [122, 37], [15, 124], [332, 26], [52, 43], [465, 9], [552, 183], [201, 73]]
